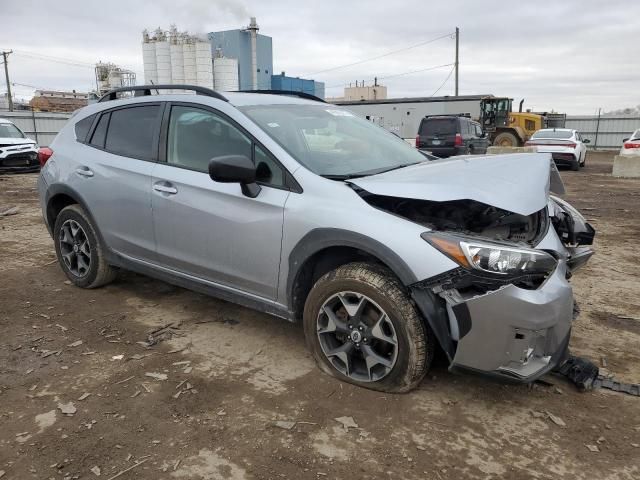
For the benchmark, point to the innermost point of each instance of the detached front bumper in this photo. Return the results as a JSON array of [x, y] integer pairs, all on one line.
[[511, 333]]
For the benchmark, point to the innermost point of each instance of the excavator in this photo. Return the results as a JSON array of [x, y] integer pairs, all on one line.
[[505, 127]]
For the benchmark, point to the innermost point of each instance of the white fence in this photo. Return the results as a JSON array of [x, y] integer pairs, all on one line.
[[40, 126], [605, 132]]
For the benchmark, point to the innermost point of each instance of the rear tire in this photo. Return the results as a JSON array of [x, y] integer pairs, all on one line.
[[575, 166], [506, 139], [80, 252], [367, 355]]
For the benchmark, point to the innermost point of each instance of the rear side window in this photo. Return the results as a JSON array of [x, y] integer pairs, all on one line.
[[82, 128], [132, 130], [439, 126], [100, 132]]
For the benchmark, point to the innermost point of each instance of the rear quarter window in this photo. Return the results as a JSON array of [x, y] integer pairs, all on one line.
[[439, 126], [82, 128]]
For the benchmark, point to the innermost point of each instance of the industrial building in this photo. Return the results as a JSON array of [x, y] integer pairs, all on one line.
[[362, 93], [176, 57], [253, 52], [229, 60], [402, 115], [58, 101], [110, 76], [297, 84]]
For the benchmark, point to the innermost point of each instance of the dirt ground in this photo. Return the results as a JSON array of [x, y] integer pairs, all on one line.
[[81, 396]]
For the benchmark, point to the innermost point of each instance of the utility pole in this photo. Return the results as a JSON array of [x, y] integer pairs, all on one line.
[[6, 76], [457, 52]]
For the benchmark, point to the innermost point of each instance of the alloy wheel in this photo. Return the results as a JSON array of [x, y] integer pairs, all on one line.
[[74, 248], [357, 336]]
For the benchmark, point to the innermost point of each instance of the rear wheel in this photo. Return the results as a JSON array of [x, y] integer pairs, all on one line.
[[575, 165], [362, 328], [506, 139], [80, 252]]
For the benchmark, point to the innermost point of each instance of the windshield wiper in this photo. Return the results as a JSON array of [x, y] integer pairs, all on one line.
[[367, 173], [343, 177]]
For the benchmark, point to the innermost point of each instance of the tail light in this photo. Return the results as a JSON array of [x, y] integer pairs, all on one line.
[[632, 145], [458, 142], [571, 145], [418, 141], [44, 154]]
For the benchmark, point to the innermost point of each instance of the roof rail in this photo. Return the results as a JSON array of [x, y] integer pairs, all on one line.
[[465, 115], [308, 96], [144, 90]]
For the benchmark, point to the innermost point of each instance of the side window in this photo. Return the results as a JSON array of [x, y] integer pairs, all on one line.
[[268, 171], [196, 136], [131, 131], [82, 128], [100, 133]]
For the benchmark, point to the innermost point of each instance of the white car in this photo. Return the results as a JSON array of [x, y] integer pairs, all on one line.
[[566, 146], [17, 151], [631, 145]]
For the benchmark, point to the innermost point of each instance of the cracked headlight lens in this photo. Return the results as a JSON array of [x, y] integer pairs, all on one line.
[[492, 257]]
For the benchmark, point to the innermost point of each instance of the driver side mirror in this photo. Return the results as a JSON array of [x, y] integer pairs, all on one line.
[[235, 169], [586, 140]]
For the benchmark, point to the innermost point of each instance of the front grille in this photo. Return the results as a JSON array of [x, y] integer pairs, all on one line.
[[20, 160]]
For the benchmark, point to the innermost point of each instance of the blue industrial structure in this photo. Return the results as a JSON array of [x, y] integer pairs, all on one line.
[[296, 84], [237, 44]]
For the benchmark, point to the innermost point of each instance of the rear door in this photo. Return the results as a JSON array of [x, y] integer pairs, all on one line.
[[113, 176], [438, 132], [211, 230]]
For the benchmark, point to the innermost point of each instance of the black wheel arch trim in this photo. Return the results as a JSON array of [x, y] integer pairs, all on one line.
[[321, 238], [60, 189]]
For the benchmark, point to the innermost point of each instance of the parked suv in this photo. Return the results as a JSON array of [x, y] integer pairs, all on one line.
[[305, 211], [449, 135]]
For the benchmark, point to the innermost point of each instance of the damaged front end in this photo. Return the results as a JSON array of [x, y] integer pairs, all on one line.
[[507, 309]]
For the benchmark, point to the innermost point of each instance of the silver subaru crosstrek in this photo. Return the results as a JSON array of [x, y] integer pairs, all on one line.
[[302, 210]]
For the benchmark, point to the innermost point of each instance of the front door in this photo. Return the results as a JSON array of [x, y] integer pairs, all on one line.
[[212, 230]]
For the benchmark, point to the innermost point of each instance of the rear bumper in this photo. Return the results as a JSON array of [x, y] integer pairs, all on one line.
[[564, 159], [444, 152]]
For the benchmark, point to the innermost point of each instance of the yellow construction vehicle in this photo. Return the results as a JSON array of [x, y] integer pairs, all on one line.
[[504, 127]]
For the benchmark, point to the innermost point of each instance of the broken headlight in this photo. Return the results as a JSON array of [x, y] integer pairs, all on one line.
[[494, 258]]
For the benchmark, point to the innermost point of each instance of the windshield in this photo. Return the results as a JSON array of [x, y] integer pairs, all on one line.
[[8, 130], [331, 141], [553, 134]]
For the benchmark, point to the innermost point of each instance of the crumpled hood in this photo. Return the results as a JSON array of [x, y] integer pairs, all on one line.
[[518, 183]]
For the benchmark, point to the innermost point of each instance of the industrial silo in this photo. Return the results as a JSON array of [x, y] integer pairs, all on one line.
[[204, 65], [225, 74], [177, 63], [149, 59], [163, 61], [189, 58]]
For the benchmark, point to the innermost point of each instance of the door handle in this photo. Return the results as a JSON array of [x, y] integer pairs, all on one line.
[[84, 171], [159, 187]]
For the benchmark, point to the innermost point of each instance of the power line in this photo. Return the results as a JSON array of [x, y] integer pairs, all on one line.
[[65, 61], [445, 81], [398, 74], [381, 56]]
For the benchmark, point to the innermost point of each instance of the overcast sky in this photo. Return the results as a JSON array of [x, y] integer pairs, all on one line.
[[570, 56]]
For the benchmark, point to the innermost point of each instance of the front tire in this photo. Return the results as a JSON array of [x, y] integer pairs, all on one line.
[[80, 253], [506, 139], [362, 328]]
